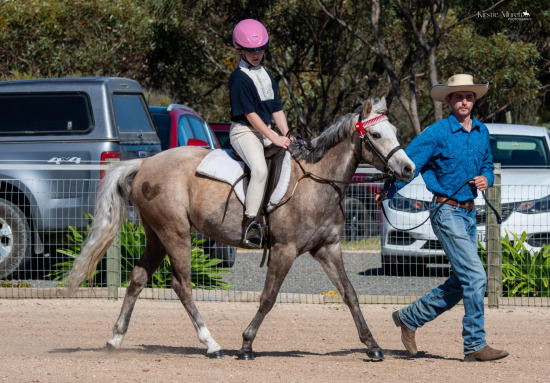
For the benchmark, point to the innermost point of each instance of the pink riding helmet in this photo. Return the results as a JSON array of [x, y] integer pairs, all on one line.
[[250, 35]]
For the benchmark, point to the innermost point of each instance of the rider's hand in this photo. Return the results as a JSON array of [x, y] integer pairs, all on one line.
[[480, 183], [281, 141]]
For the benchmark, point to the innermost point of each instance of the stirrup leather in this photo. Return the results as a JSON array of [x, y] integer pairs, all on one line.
[[253, 235]]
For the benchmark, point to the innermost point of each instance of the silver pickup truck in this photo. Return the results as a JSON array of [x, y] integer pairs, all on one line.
[[54, 135]]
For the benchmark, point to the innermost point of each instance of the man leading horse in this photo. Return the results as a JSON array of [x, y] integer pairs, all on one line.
[[454, 157]]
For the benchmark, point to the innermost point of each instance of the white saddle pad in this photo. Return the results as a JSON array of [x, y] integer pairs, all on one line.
[[221, 166]]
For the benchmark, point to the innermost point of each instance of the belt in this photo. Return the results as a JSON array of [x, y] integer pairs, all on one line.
[[468, 205]]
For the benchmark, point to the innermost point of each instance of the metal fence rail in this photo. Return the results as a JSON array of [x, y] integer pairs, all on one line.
[[384, 265]]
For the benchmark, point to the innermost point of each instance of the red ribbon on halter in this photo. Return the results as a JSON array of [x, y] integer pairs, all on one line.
[[360, 126]]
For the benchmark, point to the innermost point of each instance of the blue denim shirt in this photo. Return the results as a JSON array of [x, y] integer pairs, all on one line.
[[447, 155]]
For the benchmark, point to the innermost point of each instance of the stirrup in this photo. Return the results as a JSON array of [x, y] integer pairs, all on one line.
[[255, 240]]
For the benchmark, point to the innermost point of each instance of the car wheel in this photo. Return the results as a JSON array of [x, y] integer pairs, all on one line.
[[15, 239], [359, 223], [218, 250]]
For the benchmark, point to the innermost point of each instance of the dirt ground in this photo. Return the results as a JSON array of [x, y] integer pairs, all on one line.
[[64, 341]]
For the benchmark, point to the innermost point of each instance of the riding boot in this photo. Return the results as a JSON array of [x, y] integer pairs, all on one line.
[[252, 233]]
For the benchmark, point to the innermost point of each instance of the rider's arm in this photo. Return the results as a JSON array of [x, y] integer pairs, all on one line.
[[281, 122], [261, 127]]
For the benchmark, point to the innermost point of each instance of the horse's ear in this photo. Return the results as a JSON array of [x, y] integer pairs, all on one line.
[[367, 108], [383, 100]]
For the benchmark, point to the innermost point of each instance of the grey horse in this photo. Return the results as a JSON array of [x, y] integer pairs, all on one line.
[[173, 200]]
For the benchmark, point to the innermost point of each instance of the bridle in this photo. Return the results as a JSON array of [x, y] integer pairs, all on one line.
[[367, 139]]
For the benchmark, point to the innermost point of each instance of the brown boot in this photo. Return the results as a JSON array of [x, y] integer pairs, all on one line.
[[485, 354], [252, 233], [407, 335]]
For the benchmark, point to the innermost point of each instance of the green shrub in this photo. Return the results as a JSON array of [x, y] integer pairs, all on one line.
[[524, 273], [204, 273]]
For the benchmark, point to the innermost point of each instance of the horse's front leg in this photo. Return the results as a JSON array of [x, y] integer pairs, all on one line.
[[331, 259], [280, 262]]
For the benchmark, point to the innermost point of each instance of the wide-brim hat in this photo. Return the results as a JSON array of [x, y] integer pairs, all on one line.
[[458, 83]]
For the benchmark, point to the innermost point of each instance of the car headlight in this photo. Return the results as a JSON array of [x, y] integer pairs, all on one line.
[[535, 207], [400, 203]]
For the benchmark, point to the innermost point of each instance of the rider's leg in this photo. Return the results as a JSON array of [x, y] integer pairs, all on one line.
[[249, 144]]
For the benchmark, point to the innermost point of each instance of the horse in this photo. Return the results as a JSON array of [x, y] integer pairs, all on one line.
[[173, 200]]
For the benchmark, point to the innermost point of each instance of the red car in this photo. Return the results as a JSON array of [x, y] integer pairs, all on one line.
[[180, 125]]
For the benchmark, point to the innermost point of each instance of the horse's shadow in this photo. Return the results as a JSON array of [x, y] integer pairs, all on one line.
[[192, 351]]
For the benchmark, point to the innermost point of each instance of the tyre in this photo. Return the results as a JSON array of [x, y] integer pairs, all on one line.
[[359, 223], [218, 250], [15, 239], [226, 253]]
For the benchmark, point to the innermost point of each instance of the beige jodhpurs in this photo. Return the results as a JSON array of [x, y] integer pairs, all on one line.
[[249, 144]]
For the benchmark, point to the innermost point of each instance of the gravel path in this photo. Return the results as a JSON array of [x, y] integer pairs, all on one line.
[[364, 270], [307, 276]]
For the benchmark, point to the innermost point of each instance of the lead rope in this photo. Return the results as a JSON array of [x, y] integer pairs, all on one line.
[[389, 183]]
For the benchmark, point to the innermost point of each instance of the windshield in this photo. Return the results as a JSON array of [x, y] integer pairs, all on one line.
[[519, 151]]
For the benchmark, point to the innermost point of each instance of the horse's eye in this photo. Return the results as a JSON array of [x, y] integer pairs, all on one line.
[[376, 136]]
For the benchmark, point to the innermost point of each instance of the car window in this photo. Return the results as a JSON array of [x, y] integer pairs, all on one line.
[[199, 129], [184, 131], [223, 137], [519, 151], [46, 113], [162, 123], [131, 113]]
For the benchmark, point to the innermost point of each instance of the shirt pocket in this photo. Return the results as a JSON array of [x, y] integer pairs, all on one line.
[[447, 163]]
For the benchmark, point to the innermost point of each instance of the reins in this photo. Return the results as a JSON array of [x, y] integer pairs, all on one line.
[[360, 128]]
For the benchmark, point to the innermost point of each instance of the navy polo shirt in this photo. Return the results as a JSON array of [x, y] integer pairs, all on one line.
[[253, 90]]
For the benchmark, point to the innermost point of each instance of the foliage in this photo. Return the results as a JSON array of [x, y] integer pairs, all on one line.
[[524, 273], [372, 243], [14, 284], [204, 273], [323, 67]]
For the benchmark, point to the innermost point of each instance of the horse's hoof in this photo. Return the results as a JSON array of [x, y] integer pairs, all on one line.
[[216, 355], [110, 347], [375, 354], [245, 356]]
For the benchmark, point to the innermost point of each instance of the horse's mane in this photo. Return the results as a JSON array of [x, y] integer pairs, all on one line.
[[333, 135]]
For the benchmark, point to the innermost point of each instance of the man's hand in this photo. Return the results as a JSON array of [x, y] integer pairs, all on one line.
[[379, 198], [480, 183]]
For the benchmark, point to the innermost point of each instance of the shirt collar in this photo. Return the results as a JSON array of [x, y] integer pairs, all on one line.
[[243, 64], [455, 125]]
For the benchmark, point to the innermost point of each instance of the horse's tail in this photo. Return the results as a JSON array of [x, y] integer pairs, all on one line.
[[110, 213]]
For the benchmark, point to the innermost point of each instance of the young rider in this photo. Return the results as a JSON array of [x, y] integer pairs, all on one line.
[[254, 104]]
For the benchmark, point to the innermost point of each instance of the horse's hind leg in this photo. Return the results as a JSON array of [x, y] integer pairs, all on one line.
[[331, 260], [150, 260], [179, 250], [280, 263]]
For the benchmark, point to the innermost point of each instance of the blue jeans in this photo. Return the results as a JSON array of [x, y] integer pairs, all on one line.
[[456, 230]]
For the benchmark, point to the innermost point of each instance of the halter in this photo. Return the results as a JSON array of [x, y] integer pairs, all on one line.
[[366, 137]]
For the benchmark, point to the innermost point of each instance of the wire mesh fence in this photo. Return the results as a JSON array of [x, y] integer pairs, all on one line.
[[44, 221]]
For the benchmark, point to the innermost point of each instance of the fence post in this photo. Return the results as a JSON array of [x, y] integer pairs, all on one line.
[[494, 243], [113, 268]]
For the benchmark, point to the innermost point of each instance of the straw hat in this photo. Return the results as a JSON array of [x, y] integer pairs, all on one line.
[[458, 83]]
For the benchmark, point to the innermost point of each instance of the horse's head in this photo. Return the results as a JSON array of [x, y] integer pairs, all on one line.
[[379, 141]]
